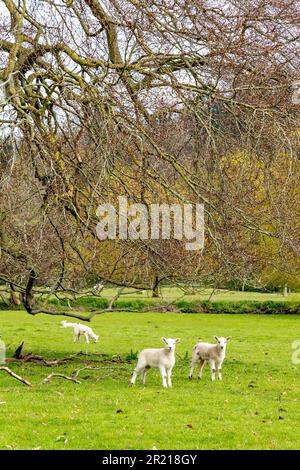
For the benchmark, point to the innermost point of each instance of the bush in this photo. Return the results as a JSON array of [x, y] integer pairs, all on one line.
[[88, 302], [189, 306], [4, 306], [183, 306], [242, 307]]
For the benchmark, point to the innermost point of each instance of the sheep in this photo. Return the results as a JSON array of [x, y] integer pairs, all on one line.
[[213, 353], [79, 330], [143, 292], [98, 287], [163, 359]]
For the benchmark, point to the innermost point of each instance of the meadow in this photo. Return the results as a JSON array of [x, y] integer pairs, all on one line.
[[173, 293], [256, 406]]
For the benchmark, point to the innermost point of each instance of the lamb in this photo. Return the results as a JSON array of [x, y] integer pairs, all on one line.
[[163, 359], [98, 287], [213, 353], [79, 330]]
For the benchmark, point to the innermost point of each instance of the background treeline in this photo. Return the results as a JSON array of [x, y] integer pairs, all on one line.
[[161, 102]]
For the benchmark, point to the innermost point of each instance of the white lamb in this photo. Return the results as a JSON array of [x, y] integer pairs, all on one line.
[[79, 330], [213, 353], [163, 359], [98, 287]]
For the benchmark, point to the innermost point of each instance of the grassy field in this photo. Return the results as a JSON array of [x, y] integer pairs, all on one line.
[[173, 293], [256, 406]]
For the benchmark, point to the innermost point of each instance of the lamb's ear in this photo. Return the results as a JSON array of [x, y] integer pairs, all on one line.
[[164, 339], [216, 338], [228, 338], [177, 340]]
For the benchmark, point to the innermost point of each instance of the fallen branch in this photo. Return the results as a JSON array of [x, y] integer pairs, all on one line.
[[15, 376], [38, 360], [62, 376], [29, 357], [18, 351]]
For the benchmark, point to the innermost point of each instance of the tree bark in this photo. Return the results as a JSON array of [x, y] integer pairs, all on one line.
[[155, 290]]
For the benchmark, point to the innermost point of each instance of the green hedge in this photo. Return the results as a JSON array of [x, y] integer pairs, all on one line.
[[3, 306], [91, 302], [183, 306], [187, 306], [86, 302], [242, 307]]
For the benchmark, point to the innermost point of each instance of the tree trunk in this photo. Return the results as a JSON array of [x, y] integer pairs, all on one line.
[[13, 299], [155, 291]]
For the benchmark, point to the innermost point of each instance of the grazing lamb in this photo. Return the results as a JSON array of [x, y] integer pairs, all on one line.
[[79, 330], [163, 359], [98, 287], [213, 353]]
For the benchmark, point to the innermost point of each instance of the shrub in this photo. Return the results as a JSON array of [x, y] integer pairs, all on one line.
[[241, 307], [184, 306], [88, 302]]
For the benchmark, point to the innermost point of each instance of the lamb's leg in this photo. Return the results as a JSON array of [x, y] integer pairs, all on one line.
[[169, 375], [86, 338], [75, 335], [143, 375], [163, 375], [138, 369], [201, 365], [193, 361], [219, 367], [213, 369]]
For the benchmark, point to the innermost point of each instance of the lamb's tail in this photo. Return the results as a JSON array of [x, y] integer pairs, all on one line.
[[65, 324]]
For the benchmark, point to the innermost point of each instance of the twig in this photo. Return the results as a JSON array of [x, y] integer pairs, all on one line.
[[62, 376], [15, 376]]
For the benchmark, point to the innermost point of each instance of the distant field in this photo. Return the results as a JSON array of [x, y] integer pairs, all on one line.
[[172, 293], [257, 406], [175, 293]]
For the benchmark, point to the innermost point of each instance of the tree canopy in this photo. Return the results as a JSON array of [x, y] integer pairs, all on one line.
[[159, 101]]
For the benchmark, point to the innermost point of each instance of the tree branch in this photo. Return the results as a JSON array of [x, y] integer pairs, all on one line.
[[15, 376]]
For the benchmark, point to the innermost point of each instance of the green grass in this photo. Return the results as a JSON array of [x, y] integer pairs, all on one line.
[[173, 293], [260, 386]]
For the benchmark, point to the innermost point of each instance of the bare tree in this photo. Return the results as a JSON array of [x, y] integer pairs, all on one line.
[[176, 101]]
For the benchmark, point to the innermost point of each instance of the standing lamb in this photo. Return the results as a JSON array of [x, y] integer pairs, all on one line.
[[163, 359], [213, 353], [98, 287], [79, 330]]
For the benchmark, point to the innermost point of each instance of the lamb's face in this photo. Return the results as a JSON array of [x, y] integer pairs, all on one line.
[[96, 338], [222, 341], [170, 343]]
